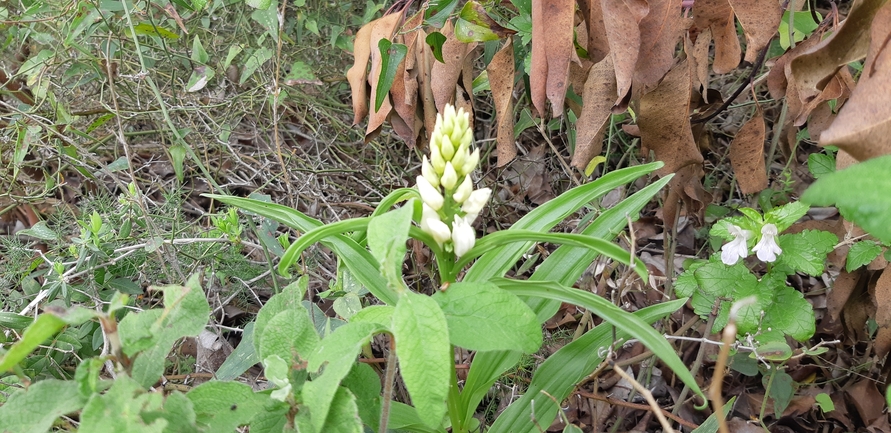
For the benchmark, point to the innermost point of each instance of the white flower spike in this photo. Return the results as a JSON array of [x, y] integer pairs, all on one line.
[[463, 236], [737, 248], [767, 248], [430, 194]]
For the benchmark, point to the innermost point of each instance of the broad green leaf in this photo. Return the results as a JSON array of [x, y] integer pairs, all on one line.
[[199, 54], [791, 314], [483, 317], [785, 216], [357, 259], [179, 412], [268, 19], [87, 376], [365, 384], [242, 358], [861, 194], [33, 68], [258, 4], [425, 356], [38, 332], [344, 414], [820, 164], [436, 40], [387, 234], [151, 29], [257, 58], [474, 25], [391, 56], [716, 280], [438, 12], [802, 26], [40, 231], [119, 409], [612, 314], [825, 402], [34, 409], [559, 373], [223, 406], [405, 418], [380, 314], [288, 334], [782, 389], [775, 351], [861, 253], [301, 73], [339, 351], [806, 251], [290, 298]]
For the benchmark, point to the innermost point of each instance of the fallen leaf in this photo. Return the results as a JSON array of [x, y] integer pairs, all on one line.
[[560, 49], [660, 31], [501, 80], [599, 91], [598, 44], [383, 29], [866, 399], [760, 20], [747, 155], [444, 76], [359, 71], [622, 19], [717, 15]]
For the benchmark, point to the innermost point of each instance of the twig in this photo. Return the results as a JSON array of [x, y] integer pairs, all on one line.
[[666, 426], [759, 62], [628, 404]]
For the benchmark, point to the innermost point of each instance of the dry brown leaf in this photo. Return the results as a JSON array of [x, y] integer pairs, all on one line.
[[404, 92], [538, 67], [598, 45], [717, 15], [501, 80], [747, 155], [425, 60], [383, 29], [697, 54], [622, 19], [559, 15], [444, 76], [863, 126], [600, 89], [660, 31], [833, 90], [866, 399], [882, 299], [760, 20], [813, 68], [664, 121], [357, 73], [686, 187], [776, 78]]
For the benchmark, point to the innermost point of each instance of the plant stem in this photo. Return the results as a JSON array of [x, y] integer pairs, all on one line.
[[456, 415], [389, 383], [773, 374], [696, 364]]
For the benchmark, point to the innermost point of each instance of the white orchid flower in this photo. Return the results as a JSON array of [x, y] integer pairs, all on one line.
[[433, 225], [476, 201], [430, 194], [736, 249], [462, 193], [463, 236], [449, 177], [767, 248]]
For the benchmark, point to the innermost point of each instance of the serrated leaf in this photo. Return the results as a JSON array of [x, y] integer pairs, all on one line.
[[861, 253], [785, 216], [34, 409], [820, 164], [290, 297], [482, 317], [861, 194], [425, 356], [387, 234], [791, 314], [806, 251], [223, 406], [391, 56]]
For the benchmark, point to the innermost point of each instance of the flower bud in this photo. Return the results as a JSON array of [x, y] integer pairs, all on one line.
[[472, 161], [463, 192], [447, 148], [449, 177], [429, 194], [458, 159], [428, 172], [476, 201], [431, 224], [463, 236], [436, 161]]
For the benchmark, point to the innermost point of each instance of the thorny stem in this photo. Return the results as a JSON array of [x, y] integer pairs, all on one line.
[[389, 384]]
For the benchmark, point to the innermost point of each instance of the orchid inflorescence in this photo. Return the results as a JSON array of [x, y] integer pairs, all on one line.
[[450, 204]]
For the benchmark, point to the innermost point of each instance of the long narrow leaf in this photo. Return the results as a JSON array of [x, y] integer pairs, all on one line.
[[357, 259], [560, 373], [317, 235], [617, 317], [565, 265]]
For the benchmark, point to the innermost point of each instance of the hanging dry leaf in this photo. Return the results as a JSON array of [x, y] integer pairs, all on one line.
[[598, 45], [560, 49], [600, 89], [444, 76], [660, 31], [358, 72], [747, 155], [384, 29], [404, 92], [760, 20], [501, 80], [538, 67], [424, 60], [664, 121], [717, 15], [697, 54], [622, 19]]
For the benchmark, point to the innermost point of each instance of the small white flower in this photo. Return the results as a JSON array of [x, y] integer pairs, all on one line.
[[463, 236], [449, 177], [431, 224], [462, 193], [737, 248], [447, 148], [471, 162], [767, 247], [429, 173], [476, 201], [429, 194]]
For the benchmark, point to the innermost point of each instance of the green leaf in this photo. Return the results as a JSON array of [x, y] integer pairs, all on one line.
[[242, 358], [806, 251], [223, 406], [339, 351], [387, 234], [825, 402], [150, 29], [199, 54], [256, 59], [179, 412], [482, 317], [268, 19], [42, 329], [438, 12], [861, 194], [344, 414], [380, 314], [791, 314], [301, 73], [317, 235], [357, 259], [436, 40], [820, 164], [365, 384], [617, 317], [391, 56], [782, 389], [475, 25], [118, 410], [290, 298], [785, 216], [861, 253], [710, 425], [40, 231], [34, 409], [425, 356], [258, 4], [557, 376], [290, 335]]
